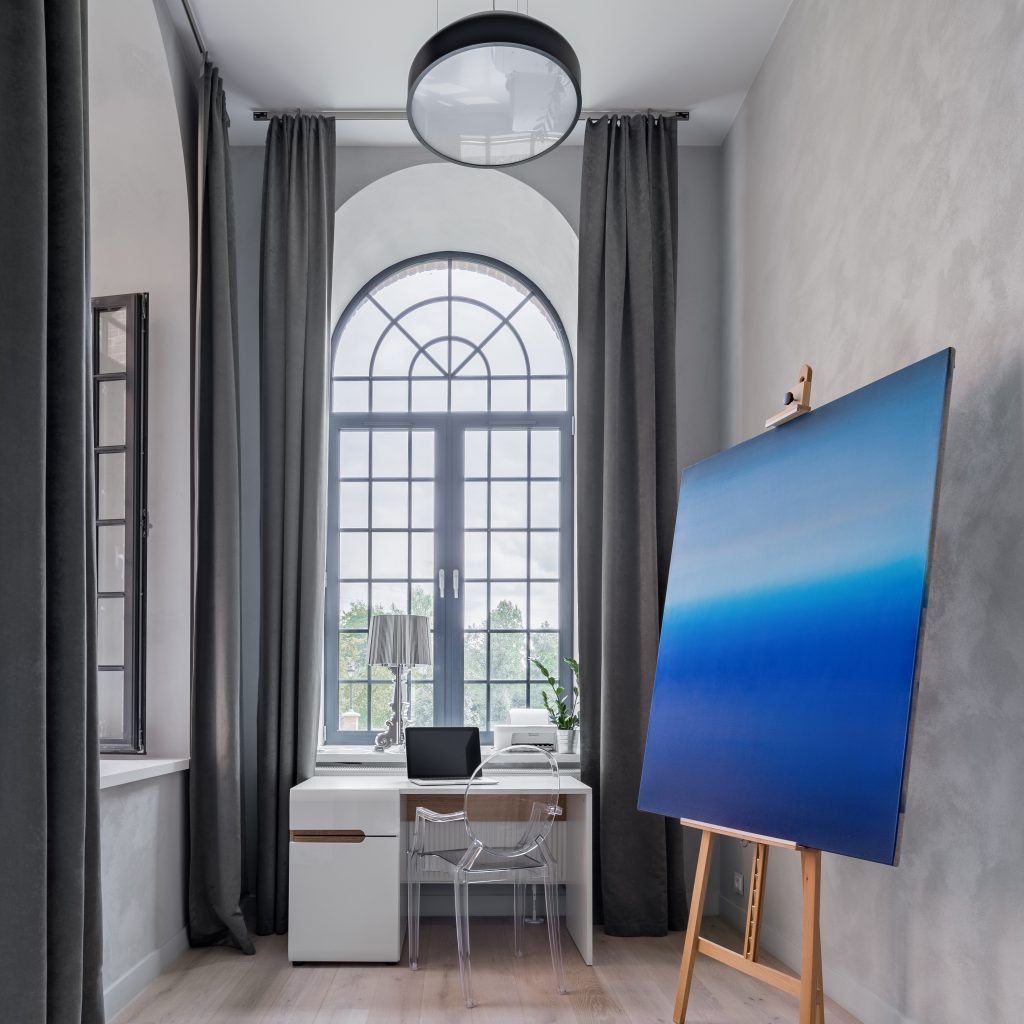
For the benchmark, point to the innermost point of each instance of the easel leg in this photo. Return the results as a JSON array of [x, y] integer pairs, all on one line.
[[700, 891], [811, 1006], [755, 901], [820, 1015]]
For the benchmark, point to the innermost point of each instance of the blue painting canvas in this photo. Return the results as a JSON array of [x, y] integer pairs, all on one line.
[[787, 667]]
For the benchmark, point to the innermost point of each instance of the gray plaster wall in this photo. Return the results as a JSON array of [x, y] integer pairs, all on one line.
[[557, 177], [874, 206]]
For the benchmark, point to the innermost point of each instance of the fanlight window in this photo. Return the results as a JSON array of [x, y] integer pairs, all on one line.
[[450, 335]]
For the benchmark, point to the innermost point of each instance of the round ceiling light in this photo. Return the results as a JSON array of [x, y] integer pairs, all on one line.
[[494, 89]]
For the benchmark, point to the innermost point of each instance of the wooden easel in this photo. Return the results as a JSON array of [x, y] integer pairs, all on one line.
[[808, 987]]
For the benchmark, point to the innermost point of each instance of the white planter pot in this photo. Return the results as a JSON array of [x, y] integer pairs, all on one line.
[[565, 741]]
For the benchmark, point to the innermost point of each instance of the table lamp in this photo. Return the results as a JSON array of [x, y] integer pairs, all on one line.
[[398, 642]]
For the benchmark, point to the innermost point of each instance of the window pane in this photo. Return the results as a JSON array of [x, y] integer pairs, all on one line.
[[350, 396], [544, 504], [353, 502], [544, 648], [390, 555], [421, 700], [423, 453], [355, 453], [431, 359], [469, 396], [352, 605], [476, 453], [380, 701], [110, 486], [503, 697], [352, 555], [508, 556], [430, 396], [472, 321], [544, 606], [394, 355], [351, 697], [541, 338], [422, 504], [508, 395], [110, 631], [390, 396], [352, 656], [422, 565], [508, 606], [391, 453], [544, 453], [423, 604], [508, 658], [544, 555], [475, 498], [475, 559], [412, 284], [110, 558], [110, 702], [428, 322], [504, 354], [548, 395], [474, 655], [508, 453], [390, 598], [111, 401], [113, 343], [360, 334], [508, 504], [390, 505], [474, 708], [474, 607], [488, 284]]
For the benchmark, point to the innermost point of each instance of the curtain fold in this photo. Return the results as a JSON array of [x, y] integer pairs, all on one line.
[[295, 292], [628, 488], [215, 775], [51, 939]]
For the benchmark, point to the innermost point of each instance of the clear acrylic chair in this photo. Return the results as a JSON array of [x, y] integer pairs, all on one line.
[[508, 842]]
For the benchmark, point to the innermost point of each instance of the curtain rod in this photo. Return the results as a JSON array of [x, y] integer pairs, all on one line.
[[193, 23], [399, 114]]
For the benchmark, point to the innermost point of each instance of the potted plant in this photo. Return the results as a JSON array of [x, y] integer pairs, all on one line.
[[564, 718]]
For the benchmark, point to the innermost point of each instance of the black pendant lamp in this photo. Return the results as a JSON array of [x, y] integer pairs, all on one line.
[[494, 89]]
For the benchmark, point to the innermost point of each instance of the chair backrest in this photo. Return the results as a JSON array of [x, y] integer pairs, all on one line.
[[527, 815]]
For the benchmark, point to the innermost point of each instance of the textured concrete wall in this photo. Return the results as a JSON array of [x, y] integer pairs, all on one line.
[[874, 196]]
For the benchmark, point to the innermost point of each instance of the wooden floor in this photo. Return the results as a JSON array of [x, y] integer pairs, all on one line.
[[633, 980]]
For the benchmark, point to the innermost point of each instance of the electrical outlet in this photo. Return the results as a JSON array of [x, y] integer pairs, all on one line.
[[737, 882]]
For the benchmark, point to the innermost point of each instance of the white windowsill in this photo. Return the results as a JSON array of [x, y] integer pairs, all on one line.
[[343, 754], [120, 770]]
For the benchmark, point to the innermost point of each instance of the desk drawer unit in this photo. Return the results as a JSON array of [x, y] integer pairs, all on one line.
[[345, 877]]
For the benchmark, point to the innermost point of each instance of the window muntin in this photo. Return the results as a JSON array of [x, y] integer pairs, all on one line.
[[451, 449]]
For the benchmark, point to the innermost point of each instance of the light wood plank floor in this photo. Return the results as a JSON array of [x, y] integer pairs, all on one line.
[[633, 981]]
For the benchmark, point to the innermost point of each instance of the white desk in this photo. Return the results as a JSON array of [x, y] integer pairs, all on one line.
[[349, 837]]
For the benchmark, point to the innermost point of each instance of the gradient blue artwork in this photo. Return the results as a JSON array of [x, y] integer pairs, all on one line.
[[787, 668]]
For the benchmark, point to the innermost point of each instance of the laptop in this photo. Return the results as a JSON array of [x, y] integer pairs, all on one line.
[[444, 756]]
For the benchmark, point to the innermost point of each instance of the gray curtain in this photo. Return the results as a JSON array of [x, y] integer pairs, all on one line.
[[628, 484], [215, 780], [51, 938], [295, 298]]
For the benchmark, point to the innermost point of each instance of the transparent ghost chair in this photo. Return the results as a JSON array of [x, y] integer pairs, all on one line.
[[507, 842]]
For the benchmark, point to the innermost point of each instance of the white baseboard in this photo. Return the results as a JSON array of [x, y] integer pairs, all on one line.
[[840, 986], [118, 994]]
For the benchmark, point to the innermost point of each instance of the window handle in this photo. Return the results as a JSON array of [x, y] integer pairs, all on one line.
[[455, 583], [440, 582]]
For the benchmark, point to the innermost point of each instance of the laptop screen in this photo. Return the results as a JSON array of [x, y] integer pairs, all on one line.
[[442, 753]]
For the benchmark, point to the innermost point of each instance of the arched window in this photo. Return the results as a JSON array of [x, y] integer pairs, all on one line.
[[451, 494]]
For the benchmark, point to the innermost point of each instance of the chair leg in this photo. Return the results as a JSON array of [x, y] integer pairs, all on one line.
[[554, 935], [414, 915], [462, 934], [518, 916]]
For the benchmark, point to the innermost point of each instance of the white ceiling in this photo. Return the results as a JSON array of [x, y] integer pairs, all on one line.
[[701, 55]]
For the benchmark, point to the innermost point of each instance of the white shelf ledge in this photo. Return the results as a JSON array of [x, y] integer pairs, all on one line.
[[119, 771], [342, 754]]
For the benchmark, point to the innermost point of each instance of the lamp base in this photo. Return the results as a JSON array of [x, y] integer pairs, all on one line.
[[393, 736]]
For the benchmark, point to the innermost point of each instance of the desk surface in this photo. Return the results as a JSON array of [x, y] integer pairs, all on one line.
[[402, 786]]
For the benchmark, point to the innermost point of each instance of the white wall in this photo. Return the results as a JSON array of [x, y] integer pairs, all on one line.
[[142, 95], [875, 214]]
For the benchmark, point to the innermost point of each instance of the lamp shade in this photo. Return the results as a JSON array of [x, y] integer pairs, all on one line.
[[494, 89], [399, 640]]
